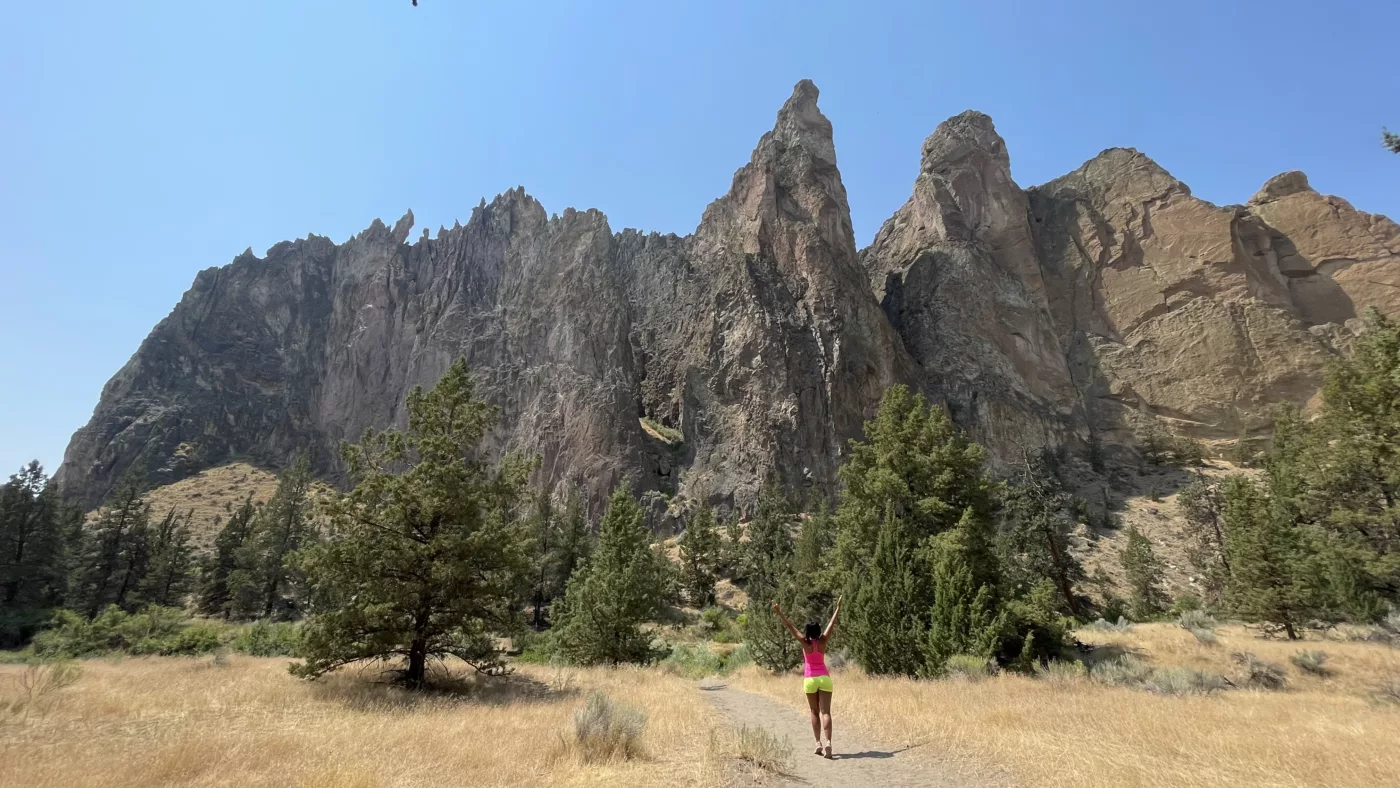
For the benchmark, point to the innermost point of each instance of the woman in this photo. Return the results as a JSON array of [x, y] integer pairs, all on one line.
[[816, 680]]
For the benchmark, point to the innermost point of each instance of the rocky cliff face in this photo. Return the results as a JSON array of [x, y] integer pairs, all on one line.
[[765, 338]]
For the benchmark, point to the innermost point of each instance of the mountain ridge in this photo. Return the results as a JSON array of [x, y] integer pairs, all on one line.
[[1038, 316]]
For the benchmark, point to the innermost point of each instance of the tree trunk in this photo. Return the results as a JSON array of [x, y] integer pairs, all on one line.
[[417, 664], [1288, 628]]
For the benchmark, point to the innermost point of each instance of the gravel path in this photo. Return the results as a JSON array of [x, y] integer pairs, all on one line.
[[857, 761]]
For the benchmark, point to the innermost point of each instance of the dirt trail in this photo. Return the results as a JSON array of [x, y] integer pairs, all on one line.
[[857, 761]]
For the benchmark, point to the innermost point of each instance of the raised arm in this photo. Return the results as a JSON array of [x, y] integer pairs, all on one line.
[[831, 625], [787, 623]]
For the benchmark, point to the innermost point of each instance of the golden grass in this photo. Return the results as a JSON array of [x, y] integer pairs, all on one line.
[[1073, 732], [169, 721]]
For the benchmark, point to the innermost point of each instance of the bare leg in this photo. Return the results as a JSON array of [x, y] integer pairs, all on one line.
[[814, 703], [824, 703]]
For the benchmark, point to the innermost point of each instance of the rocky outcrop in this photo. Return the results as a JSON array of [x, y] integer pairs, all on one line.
[[765, 338], [955, 269], [1206, 316]]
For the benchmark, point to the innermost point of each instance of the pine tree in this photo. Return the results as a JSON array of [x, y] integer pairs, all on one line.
[[215, 598], [1272, 578], [426, 556], [699, 554], [732, 551], [1144, 574], [623, 584], [264, 581], [113, 551], [1390, 140], [32, 542], [170, 571], [1036, 531]]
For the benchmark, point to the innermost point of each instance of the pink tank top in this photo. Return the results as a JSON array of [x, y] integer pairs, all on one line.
[[813, 664]]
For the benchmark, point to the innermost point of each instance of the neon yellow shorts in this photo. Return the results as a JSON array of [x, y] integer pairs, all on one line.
[[813, 683]]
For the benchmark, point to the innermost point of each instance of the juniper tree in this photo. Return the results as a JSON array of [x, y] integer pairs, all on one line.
[[699, 554], [214, 595], [575, 541], [965, 618], [623, 585], [1144, 575], [886, 623], [264, 580], [914, 477], [1272, 577], [425, 557], [813, 559]]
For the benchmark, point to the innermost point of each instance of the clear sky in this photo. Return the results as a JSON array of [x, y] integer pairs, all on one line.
[[142, 141]]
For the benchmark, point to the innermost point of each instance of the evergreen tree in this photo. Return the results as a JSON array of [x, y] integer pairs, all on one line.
[[215, 598], [545, 538], [915, 465], [1272, 578], [575, 541], [964, 618], [427, 554], [114, 551], [171, 564], [1201, 506], [888, 606], [915, 476], [1144, 574], [813, 564], [264, 580], [1390, 140], [32, 541], [623, 584], [732, 551], [1039, 517], [699, 553], [768, 553]]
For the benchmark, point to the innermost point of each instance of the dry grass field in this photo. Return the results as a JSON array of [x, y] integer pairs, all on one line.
[[185, 722], [1318, 732]]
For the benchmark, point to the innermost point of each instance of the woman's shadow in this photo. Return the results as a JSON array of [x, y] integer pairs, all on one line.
[[872, 753]]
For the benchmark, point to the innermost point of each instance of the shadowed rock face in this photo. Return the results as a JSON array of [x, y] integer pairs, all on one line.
[[765, 337]]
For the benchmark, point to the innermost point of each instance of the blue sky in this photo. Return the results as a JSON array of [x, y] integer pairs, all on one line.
[[143, 141]]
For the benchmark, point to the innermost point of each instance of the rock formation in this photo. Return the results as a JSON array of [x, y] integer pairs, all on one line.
[[1101, 298]]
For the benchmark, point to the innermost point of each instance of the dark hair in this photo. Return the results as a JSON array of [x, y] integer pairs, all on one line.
[[812, 631]]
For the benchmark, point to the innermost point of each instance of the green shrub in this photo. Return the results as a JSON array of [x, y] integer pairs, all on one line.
[[1311, 662], [146, 632], [270, 639], [740, 657], [717, 625], [669, 434], [1185, 603], [605, 730], [1205, 637]]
